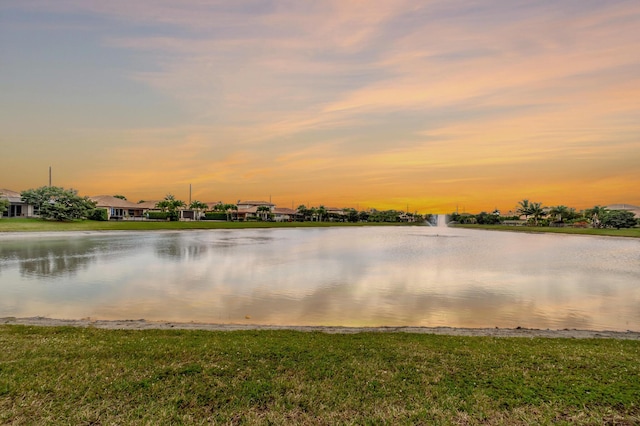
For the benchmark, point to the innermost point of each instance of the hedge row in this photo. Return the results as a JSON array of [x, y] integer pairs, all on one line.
[[215, 216], [157, 215]]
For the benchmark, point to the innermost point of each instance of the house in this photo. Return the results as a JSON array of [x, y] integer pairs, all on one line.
[[211, 205], [119, 209], [17, 207], [191, 214], [249, 204], [283, 214], [149, 205], [252, 209], [336, 214]]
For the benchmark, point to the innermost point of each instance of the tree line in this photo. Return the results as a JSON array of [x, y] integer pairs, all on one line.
[[535, 214], [57, 203]]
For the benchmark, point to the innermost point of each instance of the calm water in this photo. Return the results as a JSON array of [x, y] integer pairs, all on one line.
[[418, 276]]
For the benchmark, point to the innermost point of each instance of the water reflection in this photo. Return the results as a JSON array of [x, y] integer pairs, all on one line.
[[177, 248], [351, 277], [54, 257]]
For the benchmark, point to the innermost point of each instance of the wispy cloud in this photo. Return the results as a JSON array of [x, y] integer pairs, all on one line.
[[466, 95]]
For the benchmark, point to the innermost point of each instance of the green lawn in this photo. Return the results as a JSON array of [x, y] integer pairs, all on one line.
[[64, 375], [630, 232], [37, 225]]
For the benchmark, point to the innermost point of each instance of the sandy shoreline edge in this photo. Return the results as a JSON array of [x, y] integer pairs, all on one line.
[[141, 324]]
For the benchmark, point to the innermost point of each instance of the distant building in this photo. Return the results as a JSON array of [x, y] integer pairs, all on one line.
[[634, 209]]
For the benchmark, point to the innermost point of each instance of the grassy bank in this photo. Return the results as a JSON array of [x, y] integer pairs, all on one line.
[[630, 232], [37, 225], [92, 376]]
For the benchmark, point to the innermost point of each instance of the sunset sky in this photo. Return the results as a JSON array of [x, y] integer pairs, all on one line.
[[389, 104]]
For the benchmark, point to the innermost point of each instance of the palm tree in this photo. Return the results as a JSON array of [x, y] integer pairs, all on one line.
[[524, 209], [536, 212], [264, 210], [228, 208], [198, 206], [170, 205], [560, 212]]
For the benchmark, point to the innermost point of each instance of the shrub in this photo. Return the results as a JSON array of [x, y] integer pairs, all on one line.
[[99, 214]]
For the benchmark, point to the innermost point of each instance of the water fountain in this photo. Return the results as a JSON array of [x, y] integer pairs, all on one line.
[[438, 220]]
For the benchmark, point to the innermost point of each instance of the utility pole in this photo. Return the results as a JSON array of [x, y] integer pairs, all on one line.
[[189, 194], [49, 176]]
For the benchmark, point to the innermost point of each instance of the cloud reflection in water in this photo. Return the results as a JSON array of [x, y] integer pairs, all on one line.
[[336, 276]]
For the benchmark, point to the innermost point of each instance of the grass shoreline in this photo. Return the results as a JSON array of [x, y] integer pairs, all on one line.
[[628, 232], [77, 375], [37, 225], [142, 324]]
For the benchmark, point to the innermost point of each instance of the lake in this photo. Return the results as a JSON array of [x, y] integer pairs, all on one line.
[[361, 276]]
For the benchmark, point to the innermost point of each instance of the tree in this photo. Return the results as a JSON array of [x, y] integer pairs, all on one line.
[[351, 214], [303, 211], [56, 203], [619, 219], [122, 197], [524, 209], [321, 212], [485, 218], [536, 212], [263, 212], [597, 213], [171, 205], [229, 209], [560, 213], [198, 206], [4, 206], [313, 212]]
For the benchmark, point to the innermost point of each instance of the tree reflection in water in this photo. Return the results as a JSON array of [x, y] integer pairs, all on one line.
[[55, 257]]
